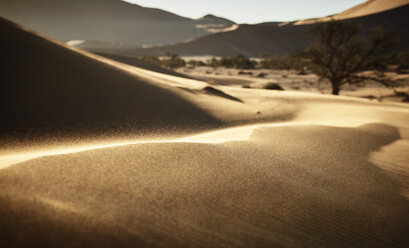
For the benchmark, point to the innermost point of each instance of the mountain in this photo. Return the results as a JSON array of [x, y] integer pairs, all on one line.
[[270, 38], [48, 88], [108, 21], [214, 24]]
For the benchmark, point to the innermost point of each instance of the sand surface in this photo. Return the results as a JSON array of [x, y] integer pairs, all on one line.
[[215, 165], [369, 7]]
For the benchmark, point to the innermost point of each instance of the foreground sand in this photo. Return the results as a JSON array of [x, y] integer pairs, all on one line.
[[250, 168]]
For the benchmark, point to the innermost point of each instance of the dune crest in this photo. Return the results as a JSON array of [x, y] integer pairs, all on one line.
[[369, 7]]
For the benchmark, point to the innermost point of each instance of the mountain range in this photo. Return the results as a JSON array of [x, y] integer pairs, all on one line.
[[119, 28], [281, 38], [108, 22]]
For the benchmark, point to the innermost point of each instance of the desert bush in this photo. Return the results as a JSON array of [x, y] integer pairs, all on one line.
[[370, 97], [238, 62], [195, 63], [402, 94], [151, 59], [273, 86], [214, 62], [261, 75], [245, 73], [294, 61], [173, 61]]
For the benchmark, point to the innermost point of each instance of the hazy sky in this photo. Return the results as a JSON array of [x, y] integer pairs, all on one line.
[[252, 11]]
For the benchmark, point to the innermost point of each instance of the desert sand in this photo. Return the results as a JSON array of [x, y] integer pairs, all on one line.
[[367, 8], [97, 153]]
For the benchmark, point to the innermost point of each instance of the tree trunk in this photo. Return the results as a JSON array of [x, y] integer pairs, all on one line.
[[335, 89]]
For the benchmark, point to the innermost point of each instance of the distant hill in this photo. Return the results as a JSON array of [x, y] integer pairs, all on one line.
[[113, 22], [214, 24], [273, 38]]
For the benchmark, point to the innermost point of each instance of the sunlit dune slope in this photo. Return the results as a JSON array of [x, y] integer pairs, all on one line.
[[289, 186], [48, 88], [369, 7]]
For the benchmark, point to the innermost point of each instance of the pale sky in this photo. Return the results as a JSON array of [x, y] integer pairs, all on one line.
[[252, 11]]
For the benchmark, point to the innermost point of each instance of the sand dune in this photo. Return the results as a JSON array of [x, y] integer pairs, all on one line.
[[271, 38], [173, 163], [46, 87], [369, 7], [53, 91]]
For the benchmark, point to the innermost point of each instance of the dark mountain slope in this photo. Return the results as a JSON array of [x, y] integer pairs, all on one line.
[[111, 21], [252, 40]]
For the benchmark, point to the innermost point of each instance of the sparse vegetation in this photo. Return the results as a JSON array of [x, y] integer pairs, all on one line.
[[151, 59], [195, 63], [245, 73], [173, 61], [296, 61], [238, 62]]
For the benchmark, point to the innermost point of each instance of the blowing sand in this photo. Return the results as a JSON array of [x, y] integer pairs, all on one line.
[[213, 167]]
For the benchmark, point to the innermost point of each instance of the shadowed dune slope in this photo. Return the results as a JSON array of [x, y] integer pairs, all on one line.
[[252, 40], [294, 186], [47, 88], [249, 40]]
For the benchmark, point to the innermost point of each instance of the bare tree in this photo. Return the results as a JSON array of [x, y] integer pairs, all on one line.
[[341, 54]]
